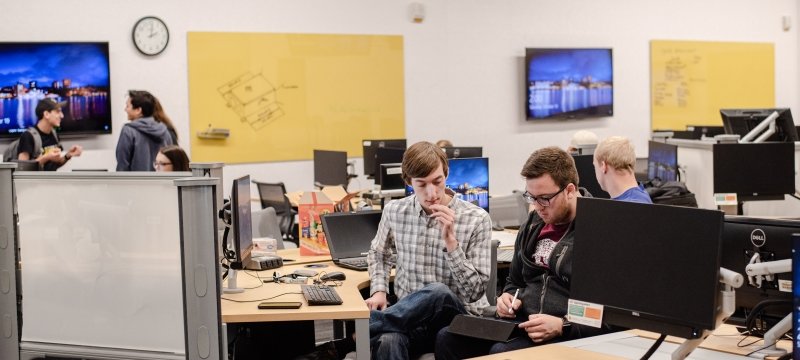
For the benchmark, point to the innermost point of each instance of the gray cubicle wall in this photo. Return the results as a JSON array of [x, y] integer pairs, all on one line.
[[103, 258]]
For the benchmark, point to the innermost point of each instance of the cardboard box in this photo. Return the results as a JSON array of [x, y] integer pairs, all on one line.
[[310, 207]]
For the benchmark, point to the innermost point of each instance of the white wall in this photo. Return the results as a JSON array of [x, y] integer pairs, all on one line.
[[463, 66]]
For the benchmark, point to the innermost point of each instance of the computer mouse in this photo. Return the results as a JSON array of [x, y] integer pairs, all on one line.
[[333, 275]]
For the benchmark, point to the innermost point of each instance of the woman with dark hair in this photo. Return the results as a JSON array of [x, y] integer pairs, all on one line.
[[161, 116], [171, 158]]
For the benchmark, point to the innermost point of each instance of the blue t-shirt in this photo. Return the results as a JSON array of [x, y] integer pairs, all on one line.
[[635, 194]]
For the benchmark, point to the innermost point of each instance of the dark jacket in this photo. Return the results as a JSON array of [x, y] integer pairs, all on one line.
[[139, 142], [545, 291]]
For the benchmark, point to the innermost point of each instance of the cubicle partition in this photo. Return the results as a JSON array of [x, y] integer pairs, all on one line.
[[112, 265]]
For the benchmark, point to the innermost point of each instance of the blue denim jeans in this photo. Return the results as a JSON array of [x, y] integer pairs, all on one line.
[[409, 327]]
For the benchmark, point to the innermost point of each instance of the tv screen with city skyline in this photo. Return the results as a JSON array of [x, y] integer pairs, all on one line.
[[74, 72], [568, 83]]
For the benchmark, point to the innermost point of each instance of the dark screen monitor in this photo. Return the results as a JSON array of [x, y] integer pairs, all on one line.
[[754, 171], [469, 179], [370, 147], [742, 121], [390, 177], [455, 152], [742, 238], [662, 161], [587, 177], [568, 83], [387, 156], [330, 168], [75, 72], [241, 220], [654, 275]]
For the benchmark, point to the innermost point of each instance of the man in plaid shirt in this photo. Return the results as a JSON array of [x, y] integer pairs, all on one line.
[[442, 259]]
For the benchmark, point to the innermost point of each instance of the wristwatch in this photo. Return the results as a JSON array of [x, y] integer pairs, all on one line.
[[67, 157], [565, 325]]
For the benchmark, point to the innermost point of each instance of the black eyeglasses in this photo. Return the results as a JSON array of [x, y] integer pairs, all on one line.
[[543, 200]]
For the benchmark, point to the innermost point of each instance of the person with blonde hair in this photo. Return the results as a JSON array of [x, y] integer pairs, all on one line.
[[583, 142], [444, 143], [614, 160]]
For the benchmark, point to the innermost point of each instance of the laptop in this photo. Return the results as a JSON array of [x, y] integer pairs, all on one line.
[[349, 237]]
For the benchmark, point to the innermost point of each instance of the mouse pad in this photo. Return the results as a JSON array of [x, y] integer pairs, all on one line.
[[488, 328]]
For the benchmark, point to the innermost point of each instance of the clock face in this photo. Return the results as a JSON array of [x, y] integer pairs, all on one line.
[[150, 35]]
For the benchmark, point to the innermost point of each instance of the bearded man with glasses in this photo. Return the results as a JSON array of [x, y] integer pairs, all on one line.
[[542, 266]]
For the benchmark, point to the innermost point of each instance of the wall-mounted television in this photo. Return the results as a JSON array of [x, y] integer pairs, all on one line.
[[568, 83], [75, 72]]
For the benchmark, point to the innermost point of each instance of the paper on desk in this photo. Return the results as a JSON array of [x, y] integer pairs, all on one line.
[[506, 238]]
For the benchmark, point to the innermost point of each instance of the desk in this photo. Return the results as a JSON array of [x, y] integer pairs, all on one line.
[[353, 306], [634, 343]]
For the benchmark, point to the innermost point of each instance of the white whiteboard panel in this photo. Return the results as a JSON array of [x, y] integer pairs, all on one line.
[[101, 263]]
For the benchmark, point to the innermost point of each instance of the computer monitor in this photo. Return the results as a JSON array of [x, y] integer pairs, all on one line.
[[390, 177], [587, 177], [754, 171], [662, 161], [660, 274], [330, 168], [387, 156], [241, 221], [469, 179], [454, 152], [370, 146], [771, 239], [742, 121]]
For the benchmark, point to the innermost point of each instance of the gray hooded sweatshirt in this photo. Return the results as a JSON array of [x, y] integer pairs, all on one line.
[[139, 143]]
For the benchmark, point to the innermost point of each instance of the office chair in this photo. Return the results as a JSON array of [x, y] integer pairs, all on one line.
[[274, 195], [266, 224], [508, 210]]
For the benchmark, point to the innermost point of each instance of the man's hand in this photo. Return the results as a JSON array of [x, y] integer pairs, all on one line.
[[75, 150], [541, 327], [377, 301], [447, 218], [504, 307]]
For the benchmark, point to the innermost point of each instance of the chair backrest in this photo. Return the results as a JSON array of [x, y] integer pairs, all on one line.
[[508, 210], [265, 224]]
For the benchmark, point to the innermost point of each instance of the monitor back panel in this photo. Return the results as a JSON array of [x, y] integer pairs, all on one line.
[[350, 234], [655, 262]]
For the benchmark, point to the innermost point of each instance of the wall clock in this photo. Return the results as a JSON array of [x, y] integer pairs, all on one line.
[[150, 35]]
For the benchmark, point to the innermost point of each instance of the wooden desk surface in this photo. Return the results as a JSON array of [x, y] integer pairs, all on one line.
[[552, 351], [724, 339], [353, 306]]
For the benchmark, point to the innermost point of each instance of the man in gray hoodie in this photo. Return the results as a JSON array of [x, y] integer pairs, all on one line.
[[140, 139]]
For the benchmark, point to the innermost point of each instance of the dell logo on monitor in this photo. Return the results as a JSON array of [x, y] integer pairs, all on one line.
[[758, 238]]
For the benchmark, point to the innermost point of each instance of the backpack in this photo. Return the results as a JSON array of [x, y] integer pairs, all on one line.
[[11, 151], [670, 193]]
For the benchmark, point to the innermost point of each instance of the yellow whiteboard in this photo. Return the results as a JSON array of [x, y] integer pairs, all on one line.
[[691, 80], [283, 95]]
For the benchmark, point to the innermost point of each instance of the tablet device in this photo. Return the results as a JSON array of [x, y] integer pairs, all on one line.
[[488, 328]]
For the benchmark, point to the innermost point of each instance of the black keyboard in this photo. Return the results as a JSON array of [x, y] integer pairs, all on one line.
[[320, 295]]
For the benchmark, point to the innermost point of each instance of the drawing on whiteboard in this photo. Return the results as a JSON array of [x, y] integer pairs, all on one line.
[[253, 98]]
